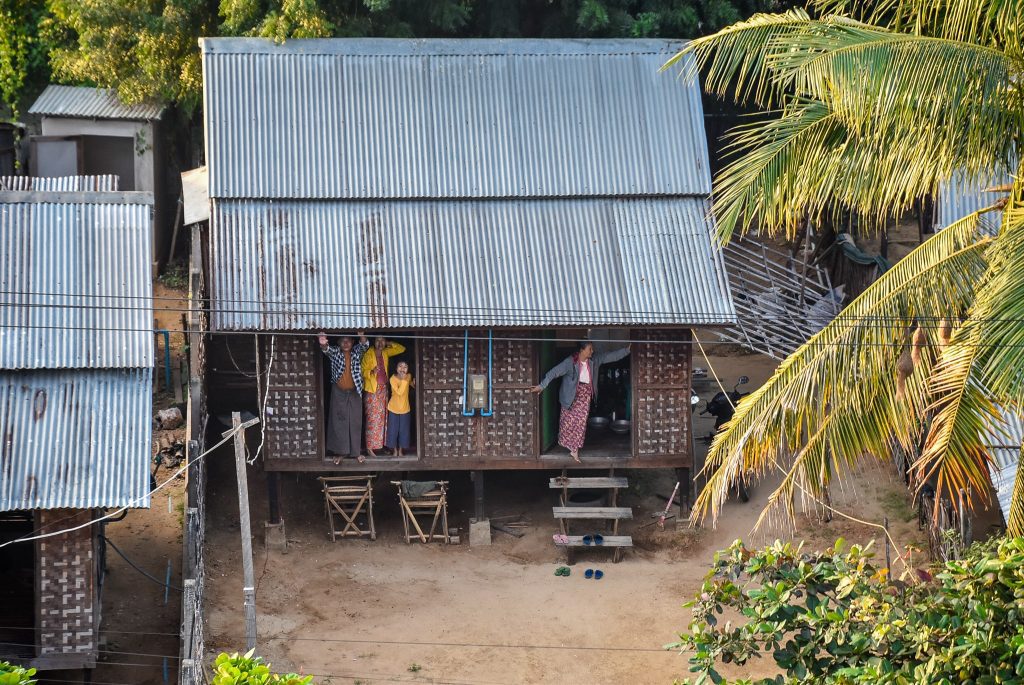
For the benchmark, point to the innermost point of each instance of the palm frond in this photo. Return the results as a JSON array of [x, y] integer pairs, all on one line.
[[840, 389], [1015, 519], [733, 59], [996, 23]]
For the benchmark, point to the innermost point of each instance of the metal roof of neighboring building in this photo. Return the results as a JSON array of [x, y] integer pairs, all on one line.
[[60, 184], [80, 102], [298, 265], [395, 118], [1005, 451], [75, 438], [75, 281], [960, 196]]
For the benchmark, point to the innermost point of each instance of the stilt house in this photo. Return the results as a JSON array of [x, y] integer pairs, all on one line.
[[486, 203]]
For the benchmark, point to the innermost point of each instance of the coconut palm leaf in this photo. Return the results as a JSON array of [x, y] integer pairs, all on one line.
[[1015, 519], [842, 394]]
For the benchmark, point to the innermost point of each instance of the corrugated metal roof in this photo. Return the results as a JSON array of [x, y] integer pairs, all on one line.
[[346, 264], [961, 195], [91, 103], [390, 118], [75, 288], [75, 439], [63, 184], [1005, 448]]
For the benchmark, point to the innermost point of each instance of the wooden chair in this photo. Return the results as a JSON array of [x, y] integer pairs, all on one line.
[[348, 497], [417, 510]]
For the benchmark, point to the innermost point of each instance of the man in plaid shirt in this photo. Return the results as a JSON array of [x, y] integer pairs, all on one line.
[[345, 421]]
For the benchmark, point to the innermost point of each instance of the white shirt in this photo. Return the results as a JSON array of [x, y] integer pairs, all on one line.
[[585, 372]]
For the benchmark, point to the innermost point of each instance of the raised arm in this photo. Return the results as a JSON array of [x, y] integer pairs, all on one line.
[[394, 349], [556, 372], [615, 355], [331, 351]]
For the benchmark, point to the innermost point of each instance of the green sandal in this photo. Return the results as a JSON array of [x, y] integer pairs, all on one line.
[[562, 571]]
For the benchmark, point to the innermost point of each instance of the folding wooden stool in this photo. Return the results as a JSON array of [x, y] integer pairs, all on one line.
[[347, 497], [432, 504]]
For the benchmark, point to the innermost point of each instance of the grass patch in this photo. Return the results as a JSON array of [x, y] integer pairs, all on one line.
[[898, 506]]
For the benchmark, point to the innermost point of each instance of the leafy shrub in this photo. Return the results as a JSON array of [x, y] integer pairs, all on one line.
[[246, 669], [16, 675], [836, 618]]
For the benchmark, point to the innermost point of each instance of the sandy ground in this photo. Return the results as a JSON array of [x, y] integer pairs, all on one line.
[[385, 611]]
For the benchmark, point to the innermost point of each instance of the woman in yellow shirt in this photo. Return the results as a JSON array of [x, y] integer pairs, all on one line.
[[375, 389], [399, 436]]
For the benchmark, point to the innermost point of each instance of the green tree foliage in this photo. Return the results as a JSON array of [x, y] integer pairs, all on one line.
[[837, 619], [875, 104], [11, 674], [246, 669], [148, 50]]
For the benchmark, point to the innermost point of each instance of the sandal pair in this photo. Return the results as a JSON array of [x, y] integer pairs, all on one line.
[[595, 539], [562, 571], [595, 574]]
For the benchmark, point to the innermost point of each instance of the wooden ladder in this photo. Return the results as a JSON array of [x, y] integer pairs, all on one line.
[[565, 513]]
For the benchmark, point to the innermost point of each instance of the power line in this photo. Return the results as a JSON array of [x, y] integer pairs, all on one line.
[[136, 567]]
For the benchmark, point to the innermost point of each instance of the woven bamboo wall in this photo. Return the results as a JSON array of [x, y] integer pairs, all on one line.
[[662, 389], [67, 587], [294, 406]]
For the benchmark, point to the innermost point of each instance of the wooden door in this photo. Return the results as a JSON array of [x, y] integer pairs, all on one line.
[[661, 399], [295, 428]]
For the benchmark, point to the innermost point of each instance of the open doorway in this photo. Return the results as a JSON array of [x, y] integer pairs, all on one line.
[[609, 428], [407, 355], [18, 589]]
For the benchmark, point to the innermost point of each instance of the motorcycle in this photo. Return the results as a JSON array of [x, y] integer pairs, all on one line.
[[722, 407]]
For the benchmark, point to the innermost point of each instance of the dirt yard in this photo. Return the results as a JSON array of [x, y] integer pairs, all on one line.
[[385, 611]]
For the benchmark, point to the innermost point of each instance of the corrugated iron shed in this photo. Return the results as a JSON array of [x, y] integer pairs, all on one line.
[[475, 263], [390, 118], [75, 438], [75, 288], [80, 102], [60, 184], [1005, 447], [419, 183], [962, 195]]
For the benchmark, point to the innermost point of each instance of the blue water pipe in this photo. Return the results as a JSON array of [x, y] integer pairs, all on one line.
[[465, 375], [490, 367]]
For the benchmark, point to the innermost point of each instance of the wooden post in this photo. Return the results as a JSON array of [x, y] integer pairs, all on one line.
[[249, 579], [478, 495], [888, 559]]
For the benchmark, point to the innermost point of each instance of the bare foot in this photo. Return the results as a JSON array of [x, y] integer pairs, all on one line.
[[362, 459], [575, 456], [337, 460], [373, 455]]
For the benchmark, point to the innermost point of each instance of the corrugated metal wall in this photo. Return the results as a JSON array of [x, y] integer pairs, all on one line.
[[960, 196], [75, 288], [75, 438], [105, 182], [1005, 450], [488, 263], [450, 119]]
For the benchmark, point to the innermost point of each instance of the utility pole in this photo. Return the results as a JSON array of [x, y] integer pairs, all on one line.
[[249, 580]]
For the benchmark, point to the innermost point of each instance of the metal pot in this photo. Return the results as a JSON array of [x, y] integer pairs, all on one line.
[[598, 422], [620, 426]]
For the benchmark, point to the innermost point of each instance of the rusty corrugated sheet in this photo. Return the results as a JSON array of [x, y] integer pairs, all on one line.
[[75, 286], [91, 103], [393, 118], [75, 438], [299, 265], [103, 182]]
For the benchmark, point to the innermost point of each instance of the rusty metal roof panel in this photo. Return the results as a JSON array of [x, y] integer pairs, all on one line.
[[1004, 445], [75, 286], [103, 182], [304, 265], [75, 438], [80, 102], [394, 118]]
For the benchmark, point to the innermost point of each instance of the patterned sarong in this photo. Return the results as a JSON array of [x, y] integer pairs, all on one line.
[[376, 416], [572, 425]]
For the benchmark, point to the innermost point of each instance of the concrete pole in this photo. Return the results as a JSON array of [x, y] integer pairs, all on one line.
[[249, 580]]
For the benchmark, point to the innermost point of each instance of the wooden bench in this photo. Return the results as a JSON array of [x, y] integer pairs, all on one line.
[[564, 513], [432, 505]]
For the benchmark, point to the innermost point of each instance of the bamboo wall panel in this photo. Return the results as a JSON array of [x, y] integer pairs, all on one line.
[[67, 587], [294, 405], [662, 420]]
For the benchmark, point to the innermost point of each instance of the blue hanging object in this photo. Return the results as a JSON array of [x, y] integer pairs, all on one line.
[[465, 375]]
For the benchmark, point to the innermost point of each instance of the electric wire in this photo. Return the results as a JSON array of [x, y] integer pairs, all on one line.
[[131, 563]]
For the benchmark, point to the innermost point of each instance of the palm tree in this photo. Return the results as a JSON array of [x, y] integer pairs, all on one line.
[[876, 103]]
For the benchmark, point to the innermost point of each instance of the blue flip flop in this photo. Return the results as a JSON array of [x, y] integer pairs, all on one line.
[[589, 573], [587, 539], [598, 575], [598, 539]]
